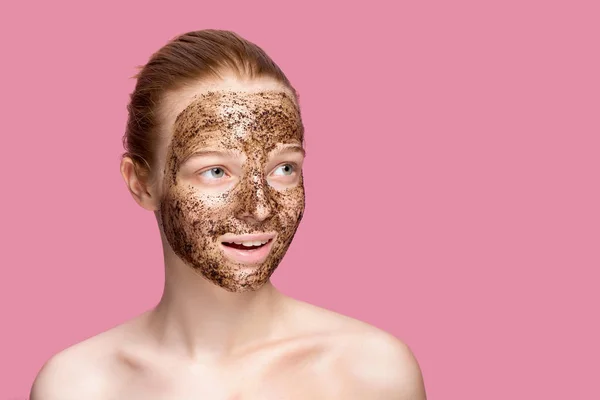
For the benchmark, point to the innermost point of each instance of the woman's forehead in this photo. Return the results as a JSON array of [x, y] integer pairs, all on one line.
[[237, 119], [175, 102], [235, 106]]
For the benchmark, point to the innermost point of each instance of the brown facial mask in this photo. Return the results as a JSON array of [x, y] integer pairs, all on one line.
[[248, 187]]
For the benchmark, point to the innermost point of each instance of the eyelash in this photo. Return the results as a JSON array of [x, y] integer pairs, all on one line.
[[211, 169], [293, 165]]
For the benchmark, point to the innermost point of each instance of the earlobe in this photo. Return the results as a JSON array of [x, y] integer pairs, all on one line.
[[140, 191]]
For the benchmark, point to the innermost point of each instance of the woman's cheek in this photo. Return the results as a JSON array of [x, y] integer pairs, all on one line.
[[291, 204]]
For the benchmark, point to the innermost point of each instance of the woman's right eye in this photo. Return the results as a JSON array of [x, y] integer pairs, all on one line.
[[213, 173]]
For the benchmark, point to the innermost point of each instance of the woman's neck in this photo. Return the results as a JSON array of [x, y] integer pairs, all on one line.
[[199, 319]]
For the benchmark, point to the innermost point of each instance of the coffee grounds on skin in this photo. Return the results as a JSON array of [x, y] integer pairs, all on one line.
[[193, 219]]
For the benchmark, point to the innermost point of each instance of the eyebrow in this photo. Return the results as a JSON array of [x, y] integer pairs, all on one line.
[[294, 148], [208, 152], [289, 149]]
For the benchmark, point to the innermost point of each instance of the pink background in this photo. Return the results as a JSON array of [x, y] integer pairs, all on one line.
[[452, 148]]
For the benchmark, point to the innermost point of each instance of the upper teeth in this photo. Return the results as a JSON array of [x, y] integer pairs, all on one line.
[[251, 243]]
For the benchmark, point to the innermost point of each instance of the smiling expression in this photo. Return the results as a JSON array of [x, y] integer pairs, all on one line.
[[234, 166]]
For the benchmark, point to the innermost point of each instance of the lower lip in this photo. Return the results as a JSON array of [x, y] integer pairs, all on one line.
[[254, 256]]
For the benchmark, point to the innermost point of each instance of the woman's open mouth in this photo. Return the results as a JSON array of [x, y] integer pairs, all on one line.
[[247, 251], [246, 245]]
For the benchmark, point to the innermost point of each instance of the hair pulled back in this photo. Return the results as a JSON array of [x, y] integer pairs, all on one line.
[[190, 57]]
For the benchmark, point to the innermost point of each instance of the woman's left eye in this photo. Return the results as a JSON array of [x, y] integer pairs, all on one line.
[[287, 169], [215, 173]]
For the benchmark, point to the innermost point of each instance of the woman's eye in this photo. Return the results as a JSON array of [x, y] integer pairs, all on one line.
[[213, 173], [287, 169]]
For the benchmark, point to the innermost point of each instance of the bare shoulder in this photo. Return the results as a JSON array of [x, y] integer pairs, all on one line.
[[67, 375], [372, 363], [73, 373], [381, 366], [83, 370]]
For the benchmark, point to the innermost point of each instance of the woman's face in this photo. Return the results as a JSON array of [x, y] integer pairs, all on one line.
[[234, 167]]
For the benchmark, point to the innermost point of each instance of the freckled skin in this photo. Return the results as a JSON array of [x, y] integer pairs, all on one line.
[[193, 219]]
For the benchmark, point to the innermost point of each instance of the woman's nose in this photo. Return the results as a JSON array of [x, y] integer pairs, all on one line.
[[254, 202]]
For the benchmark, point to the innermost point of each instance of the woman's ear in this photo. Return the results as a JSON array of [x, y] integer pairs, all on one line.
[[143, 193]]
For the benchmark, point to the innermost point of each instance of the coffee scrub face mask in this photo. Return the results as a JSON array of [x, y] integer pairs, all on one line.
[[234, 167]]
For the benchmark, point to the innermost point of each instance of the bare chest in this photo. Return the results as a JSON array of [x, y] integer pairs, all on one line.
[[292, 375]]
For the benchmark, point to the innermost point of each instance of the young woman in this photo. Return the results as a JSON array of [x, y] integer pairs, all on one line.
[[215, 149]]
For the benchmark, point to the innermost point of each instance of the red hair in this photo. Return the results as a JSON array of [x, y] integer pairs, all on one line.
[[189, 57]]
